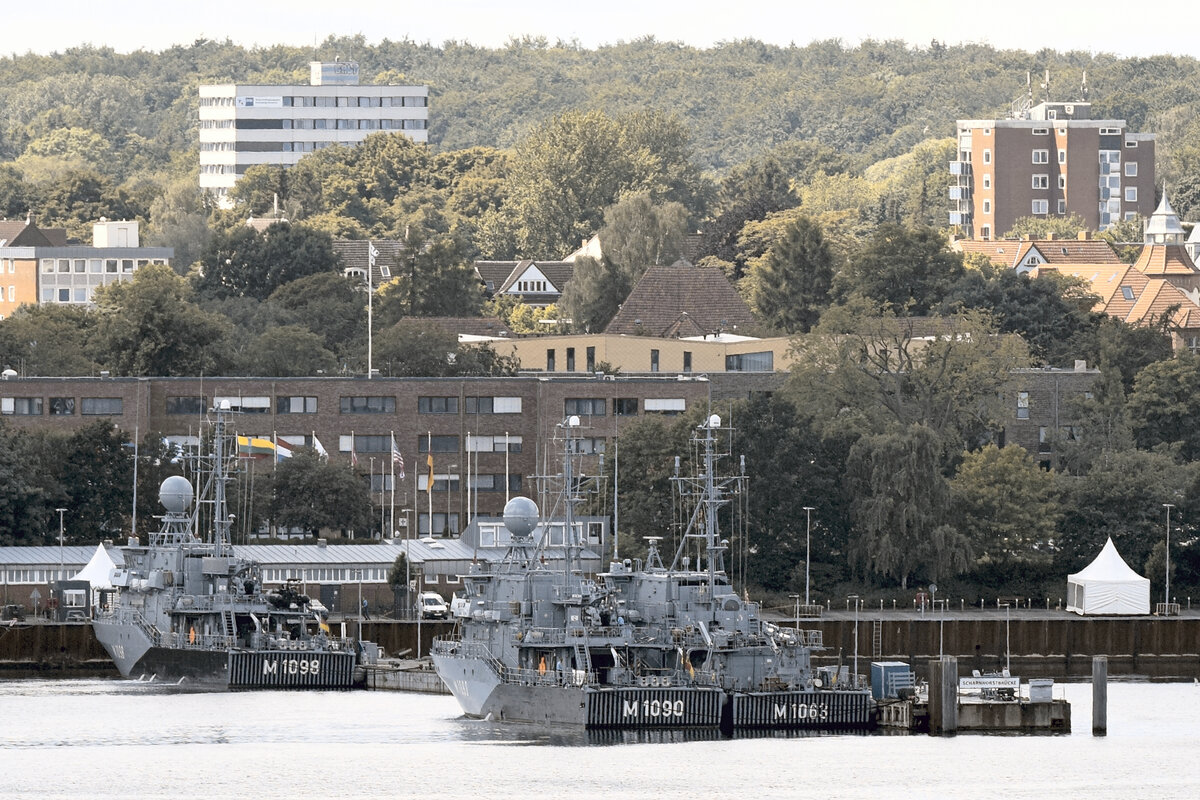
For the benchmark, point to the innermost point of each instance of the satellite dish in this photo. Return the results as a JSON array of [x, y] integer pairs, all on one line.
[[714, 421], [8, 373]]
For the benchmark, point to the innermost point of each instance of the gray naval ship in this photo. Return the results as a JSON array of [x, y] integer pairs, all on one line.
[[641, 646], [185, 609]]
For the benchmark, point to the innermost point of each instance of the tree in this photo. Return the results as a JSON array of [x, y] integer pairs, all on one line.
[[413, 348], [289, 351], [150, 326], [901, 507], [52, 340], [1006, 505], [244, 262], [1068, 227], [908, 270], [97, 482], [24, 509], [638, 234], [436, 280], [331, 306], [313, 494], [595, 294], [1164, 407], [791, 285]]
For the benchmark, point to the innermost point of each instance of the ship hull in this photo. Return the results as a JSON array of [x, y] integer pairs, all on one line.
[[135, 656], [482, 695]]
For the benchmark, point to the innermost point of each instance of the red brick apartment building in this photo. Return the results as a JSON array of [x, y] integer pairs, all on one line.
[[1049, 160]]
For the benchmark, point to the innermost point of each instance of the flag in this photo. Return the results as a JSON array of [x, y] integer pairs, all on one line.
[[429, 461], [256, 446], [397, 459], [321, 451], [353, 453], [282, 451]]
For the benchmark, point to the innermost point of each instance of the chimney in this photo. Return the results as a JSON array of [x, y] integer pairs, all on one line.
[[1085, 236], [1052, 236], [1080, 365]]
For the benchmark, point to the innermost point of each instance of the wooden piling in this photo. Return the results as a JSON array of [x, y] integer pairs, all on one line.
[[1099, 695]]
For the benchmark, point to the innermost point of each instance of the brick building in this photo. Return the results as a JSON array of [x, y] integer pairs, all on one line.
[[1047, 160]]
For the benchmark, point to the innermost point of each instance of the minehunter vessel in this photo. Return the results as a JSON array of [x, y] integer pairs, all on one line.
[[186, 609], [639, 646]]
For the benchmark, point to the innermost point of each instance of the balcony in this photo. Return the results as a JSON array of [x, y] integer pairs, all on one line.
[[960, 192], [960, 167], [960, 218]]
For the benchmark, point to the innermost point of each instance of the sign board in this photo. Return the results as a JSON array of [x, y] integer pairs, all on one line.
[[247, 101], [973, 683]]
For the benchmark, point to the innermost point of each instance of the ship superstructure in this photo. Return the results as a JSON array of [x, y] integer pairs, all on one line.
[[642, 645], [186, 609]]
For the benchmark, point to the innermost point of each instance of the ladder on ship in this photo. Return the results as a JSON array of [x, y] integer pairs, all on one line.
[[877, 640], [583, 660], [227, 627]]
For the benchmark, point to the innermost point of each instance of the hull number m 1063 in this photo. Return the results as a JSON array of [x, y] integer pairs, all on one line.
[[801, 712], [291, 667], [652, 709]]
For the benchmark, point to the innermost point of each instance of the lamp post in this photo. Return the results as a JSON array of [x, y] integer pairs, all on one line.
[[807, 547], [1007, 646], [1167, 569], [796, 597], [60, 511]]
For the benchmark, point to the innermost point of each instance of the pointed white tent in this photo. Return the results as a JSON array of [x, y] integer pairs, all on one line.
[[1108, 586], [98, 570]]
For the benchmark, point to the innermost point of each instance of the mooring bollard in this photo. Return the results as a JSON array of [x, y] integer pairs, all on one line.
[[1099, 695]]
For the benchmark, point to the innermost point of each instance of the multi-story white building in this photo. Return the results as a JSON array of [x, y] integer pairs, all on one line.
[[242, 125]]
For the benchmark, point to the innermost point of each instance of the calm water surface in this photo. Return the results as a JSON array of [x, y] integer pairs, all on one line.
[[117, 739]]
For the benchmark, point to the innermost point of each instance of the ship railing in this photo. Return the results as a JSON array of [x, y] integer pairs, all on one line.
[[152, 631], [189, 641]]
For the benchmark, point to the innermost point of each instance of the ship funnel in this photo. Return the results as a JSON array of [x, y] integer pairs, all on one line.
[[175, 494]]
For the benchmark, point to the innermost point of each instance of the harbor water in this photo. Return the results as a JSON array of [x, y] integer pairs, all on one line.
[[123, 739]]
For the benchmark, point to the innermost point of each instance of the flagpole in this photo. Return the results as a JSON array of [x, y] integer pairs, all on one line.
[[429, 488], [468, 455], [392, 510], [370, 303], [506, 468]]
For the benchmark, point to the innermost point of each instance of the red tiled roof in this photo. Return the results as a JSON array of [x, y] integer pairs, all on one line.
[[665, 295]]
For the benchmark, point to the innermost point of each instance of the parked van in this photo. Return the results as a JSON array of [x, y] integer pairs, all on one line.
[[430, 605]]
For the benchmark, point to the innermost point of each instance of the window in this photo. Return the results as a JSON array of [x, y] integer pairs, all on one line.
[[64, 295], [1130, 194], [1110, 131], [1130, 169], [1062, 181], [368, 443], [62, 406], [987, 206], [1131, 143], [587, 446], [245, 404], [985, 232], [591, 359], [625, 406], [1041, 131], [101, 406], [570, 359], [296, 404], [987, 180], [1127, 292], [185, 405], [440, 405], [1040, 207], [1022, 405], [669, 405], [22, 406], [368, 405], [381, 482], [654, 361], [1062, 206], [493, 444], [1041, 156], [441, 527], [437, 444], [584, 406], [549, 361], [687, 360], [1041, 182], [492, 405], [1062, 155], [987, 156], [750, 362]]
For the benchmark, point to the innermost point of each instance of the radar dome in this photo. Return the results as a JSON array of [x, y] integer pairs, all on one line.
[[521, 516], [175, 494]]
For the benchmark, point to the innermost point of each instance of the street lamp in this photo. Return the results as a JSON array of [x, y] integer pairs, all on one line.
[[796, 597], [1007, 646], [1167, 570], [807, 547], [60, 511]]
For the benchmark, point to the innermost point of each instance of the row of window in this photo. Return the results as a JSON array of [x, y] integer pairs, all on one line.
[[470, 405], [11, 297], [486, 482], [329, 125], [305, 404], [96, 266], [366, 444], [61, 406], [322, 101]]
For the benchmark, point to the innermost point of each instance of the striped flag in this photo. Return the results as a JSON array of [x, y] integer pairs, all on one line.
[[397, 459], [320, 448]]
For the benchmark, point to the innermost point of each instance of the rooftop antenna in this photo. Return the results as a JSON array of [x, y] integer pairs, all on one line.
[[1046, 86]]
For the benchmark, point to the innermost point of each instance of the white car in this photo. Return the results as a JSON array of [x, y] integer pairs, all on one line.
[[431, 606]]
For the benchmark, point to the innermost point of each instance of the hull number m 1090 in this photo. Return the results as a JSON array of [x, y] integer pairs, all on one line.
[[801, 712], [652, 709], [291, 667]]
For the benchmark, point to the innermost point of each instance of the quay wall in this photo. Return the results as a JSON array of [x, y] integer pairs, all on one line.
[[1059, 646]]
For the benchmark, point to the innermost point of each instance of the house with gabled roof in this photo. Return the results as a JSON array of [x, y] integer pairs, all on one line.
[[1165, 254], [534, 283], [679, 300], [1024, 255], [356, 258]]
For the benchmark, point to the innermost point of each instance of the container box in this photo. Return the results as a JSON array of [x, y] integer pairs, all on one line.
[[888, 677], [1041, 690]]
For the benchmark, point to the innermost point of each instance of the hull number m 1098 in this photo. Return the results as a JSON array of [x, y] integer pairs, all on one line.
[[291, 667], [801, 712], [652, 709]]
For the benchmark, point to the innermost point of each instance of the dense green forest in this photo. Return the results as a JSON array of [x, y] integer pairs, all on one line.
[[818, 176]]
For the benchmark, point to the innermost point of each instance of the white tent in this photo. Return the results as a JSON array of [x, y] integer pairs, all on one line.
[[98, 570], [1108, 586]]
